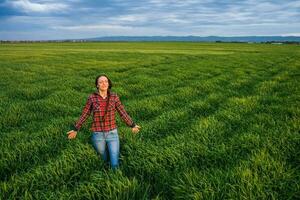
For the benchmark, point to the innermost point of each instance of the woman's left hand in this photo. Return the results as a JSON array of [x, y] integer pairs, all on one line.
[[136, 129]]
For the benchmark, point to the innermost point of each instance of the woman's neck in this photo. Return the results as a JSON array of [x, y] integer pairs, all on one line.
[[103, 93]]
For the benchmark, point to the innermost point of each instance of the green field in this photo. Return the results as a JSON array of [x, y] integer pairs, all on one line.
[[219, 121]]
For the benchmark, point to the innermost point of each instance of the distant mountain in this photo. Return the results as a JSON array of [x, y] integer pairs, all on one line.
[[199, 39], [252, 39]]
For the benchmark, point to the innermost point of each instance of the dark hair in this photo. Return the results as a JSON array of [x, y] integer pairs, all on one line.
[[109, 81]]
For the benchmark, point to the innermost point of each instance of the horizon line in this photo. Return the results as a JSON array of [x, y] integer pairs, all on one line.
[[132, 36]]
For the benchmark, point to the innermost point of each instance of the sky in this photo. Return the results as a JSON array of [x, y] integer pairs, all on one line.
[[76, 19]]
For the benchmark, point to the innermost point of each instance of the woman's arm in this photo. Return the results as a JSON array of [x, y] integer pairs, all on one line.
[[123, 114], [125, 117], [85, 114]]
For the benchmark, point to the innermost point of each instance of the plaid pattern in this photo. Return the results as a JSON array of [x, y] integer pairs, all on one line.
[[96, 104]]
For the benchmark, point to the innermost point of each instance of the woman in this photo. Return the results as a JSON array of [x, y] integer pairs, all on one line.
[[104, 103]]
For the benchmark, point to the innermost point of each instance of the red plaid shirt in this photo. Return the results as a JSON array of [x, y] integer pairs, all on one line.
[[97, 104]]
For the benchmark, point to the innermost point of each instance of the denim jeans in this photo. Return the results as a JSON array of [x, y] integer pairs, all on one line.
[[111, 139]]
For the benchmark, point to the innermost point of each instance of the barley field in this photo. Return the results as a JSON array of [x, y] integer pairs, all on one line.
[[219, 121]]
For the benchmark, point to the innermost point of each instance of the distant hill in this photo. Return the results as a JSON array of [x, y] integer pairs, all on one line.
[[199, 39], [251, 39]]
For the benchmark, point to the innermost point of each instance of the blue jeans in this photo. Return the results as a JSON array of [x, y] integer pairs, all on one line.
[[111, 139]]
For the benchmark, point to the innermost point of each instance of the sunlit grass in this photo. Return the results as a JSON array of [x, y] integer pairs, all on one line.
[[219, 121]]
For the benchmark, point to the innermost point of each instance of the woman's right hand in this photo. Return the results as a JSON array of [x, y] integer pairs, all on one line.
[[72, 134]]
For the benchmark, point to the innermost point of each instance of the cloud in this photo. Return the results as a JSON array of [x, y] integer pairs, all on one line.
[[28, 6], [89, 18], [91, 27], [292, 34]]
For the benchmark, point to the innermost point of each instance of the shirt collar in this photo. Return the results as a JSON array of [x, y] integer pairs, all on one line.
[[97, 93]]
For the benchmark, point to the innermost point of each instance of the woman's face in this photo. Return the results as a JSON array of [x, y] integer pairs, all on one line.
[[103, 83]]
